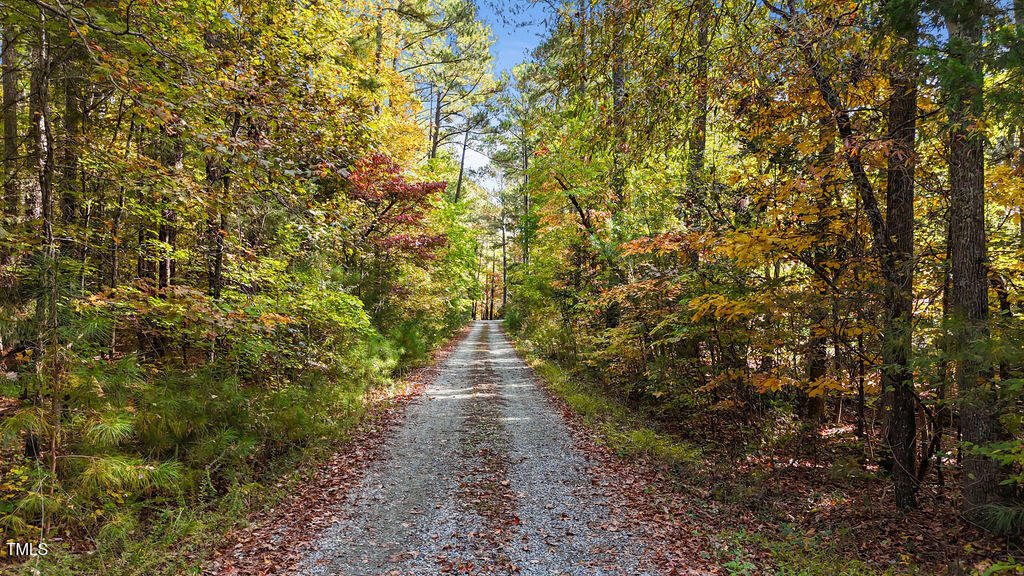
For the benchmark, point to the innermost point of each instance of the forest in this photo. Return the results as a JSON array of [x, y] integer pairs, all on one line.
[[767, 254]]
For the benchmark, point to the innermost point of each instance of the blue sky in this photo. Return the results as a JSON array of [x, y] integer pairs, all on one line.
[[518, 26]]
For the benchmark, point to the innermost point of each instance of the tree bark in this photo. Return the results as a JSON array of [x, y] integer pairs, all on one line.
[[504, 266], [817, 360], [476, 275], [968, 253], [490, 313], [12, 191], [39, 145], [73, 119], [435, 138], [42, 156], [168, 233], [526, 201], [462, 163], [145, 266], [897, 379], [618, 176], [698, 135], [171, 156], [378, 52]]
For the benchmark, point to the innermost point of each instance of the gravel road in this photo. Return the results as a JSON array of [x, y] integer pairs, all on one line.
[[481, 477]]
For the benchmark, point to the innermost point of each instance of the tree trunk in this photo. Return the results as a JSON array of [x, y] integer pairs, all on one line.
[[379, 52], [698, 135], [583, 48], [618, 176], [42, 155], [146, 273], [435, 138], [968, 253], [504, 268], [39, 145], [943, 413], [897, 378], [115, 231], [817, 358], [168, 233], [860, 387], [476, 277], [490, 314], [115, 252], [12, 191], [462, 163], [817, 361], [73, 119], [526, 202], [217, 229], [171, 155], [145, 266]]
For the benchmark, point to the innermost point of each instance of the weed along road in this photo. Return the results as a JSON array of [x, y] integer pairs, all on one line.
[[480, 477]]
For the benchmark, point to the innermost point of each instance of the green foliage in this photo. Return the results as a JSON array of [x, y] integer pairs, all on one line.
[[794, 553]]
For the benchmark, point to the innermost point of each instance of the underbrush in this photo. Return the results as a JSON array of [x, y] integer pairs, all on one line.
[[786, 500], [158, 457], [169, 531], [792, 554]]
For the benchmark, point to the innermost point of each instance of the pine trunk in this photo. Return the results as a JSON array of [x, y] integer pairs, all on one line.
[[12, 191], [968, 255], [897, 379]]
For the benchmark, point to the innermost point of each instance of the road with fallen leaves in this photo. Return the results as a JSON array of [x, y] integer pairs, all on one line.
[[481, 476]]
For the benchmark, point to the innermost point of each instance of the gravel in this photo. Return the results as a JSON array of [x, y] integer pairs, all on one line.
[[481, 477]]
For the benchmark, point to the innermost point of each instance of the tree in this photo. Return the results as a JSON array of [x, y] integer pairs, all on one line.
[[897, 351], [12, 192], [967, 247], [757, 195], [452, 64]]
